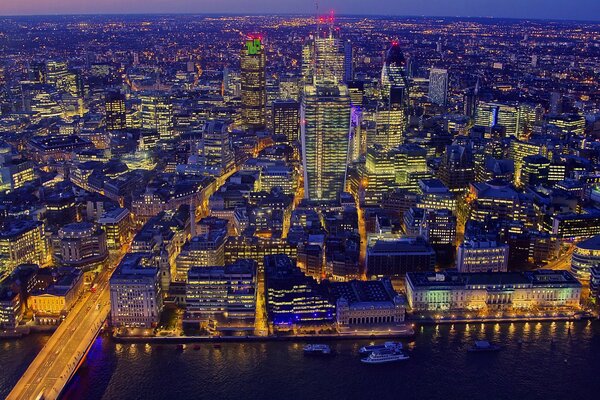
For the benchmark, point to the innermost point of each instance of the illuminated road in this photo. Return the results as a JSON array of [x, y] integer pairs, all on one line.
[[51, 370], [563, 262]]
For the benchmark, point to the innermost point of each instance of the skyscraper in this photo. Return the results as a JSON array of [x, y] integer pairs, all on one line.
[[216, 147], [157, 115], [253, 83], [348, 61], [393, 76], [438, 86], [325, 116], [286, 119], [116, 115], [391, 112], [324, 58]]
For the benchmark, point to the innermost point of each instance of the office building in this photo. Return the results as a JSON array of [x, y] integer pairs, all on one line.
[[438, 86], [225, 295], [253, 83], [136, 299], [216, 151], [482, 256], [505, 115], [534, 170], [157, 115], [586, 256], [82, 244], [394, 82], [205, 250], [286, 119], [325, 116], [115, 111], [396, 257], [22, 242], [292, 298], [118, 227]]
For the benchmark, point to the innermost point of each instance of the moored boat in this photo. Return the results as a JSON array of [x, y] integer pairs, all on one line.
[[395, 346], [384, 356], [483, 346], [317, 349]]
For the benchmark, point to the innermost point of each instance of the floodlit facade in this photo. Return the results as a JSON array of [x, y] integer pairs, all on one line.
[[253, 83], [501, 291], [325, 130]]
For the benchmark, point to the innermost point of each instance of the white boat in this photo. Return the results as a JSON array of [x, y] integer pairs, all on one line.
[[317, 349], [396, 346], [384, 356]]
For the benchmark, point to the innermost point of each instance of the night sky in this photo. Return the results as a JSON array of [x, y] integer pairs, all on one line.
[[559, 9]]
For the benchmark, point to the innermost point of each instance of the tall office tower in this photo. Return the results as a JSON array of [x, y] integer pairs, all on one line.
[[535, 170], [286, 119], [457, 168], [391, 122], [348, 61], [323, 58], [2, 76], [325, 116], [393, 76], [157, 115], [56, 73], [411, 166], [116, 114], [508, 116], [216, 147], [254, 85], [438, 86], [470, 100], [391, 113], [37, 72]]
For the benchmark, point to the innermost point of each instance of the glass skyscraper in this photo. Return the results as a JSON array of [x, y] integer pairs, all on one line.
[[253, 84], [325, 127]]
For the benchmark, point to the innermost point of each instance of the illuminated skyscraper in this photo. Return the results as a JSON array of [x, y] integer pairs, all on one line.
[[325, 58], [348, 61], [508, 116], [393, 76], [216, 146], [325, 116], [391, 113], [253, 84], [116, 115], [286, 119], [438, 86], [157, 115]]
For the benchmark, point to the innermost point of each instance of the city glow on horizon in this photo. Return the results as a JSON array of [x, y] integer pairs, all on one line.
[[552, 9]]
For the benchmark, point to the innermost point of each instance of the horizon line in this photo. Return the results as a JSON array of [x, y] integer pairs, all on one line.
[[111, 14]]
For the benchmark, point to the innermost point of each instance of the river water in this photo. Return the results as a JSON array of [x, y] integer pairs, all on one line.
[[541, 360]]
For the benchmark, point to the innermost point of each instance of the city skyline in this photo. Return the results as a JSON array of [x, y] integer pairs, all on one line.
[[582, 10], [300, 186]]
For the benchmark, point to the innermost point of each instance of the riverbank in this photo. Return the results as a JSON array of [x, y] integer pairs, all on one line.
[[430, 319], [408, 332]]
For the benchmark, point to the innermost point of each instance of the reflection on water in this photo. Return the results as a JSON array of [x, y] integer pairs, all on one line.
[[541, 360]]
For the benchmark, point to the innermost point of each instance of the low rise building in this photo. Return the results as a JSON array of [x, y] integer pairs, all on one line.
[[367, 303], [292, 298], [52, 303], [396, 257], [500, 291], [225, 295], [11, 310], [82, 244]]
